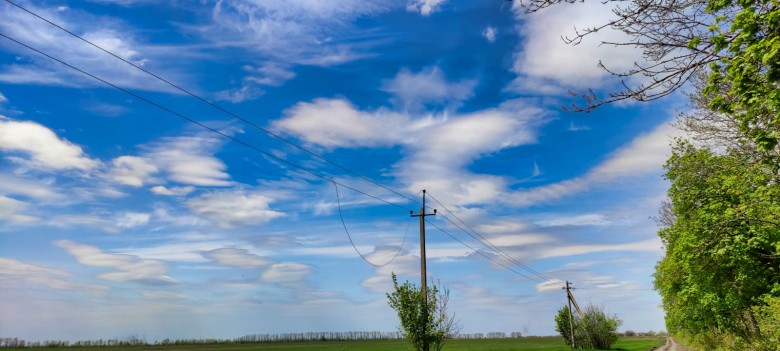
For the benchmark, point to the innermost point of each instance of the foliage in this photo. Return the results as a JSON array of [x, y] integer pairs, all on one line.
[[423, 325], [722, 246], [593, 330], [737, 42]]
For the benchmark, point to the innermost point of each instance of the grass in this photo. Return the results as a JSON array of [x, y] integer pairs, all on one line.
[[522, 344]]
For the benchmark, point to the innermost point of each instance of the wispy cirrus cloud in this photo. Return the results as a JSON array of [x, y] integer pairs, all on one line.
[[302, 32], [644, 155], [414, 91], [103, 31]]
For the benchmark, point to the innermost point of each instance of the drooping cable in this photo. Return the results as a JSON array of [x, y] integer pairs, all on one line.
[[189, 119], [214, 105], [341, 215]]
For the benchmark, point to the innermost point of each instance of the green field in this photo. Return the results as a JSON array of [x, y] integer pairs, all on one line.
[[522, 344]]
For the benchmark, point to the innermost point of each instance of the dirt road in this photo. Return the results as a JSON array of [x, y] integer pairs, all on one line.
[[671, 345]]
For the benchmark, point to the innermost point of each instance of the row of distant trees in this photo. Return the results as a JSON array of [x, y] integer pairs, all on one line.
[[247, 339]]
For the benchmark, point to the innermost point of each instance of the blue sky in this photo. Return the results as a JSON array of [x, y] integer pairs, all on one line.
[[121, 219]]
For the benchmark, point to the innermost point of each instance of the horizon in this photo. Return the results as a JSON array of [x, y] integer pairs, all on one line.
[[121, 218]]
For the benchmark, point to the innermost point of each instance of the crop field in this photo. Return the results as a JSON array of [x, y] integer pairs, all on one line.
[[509, 344]]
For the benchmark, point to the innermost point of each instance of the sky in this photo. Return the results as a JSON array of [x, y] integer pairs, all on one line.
[[222, 208]]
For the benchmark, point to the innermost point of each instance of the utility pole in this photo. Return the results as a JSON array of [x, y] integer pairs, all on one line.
[[423, 273], [571, 318]]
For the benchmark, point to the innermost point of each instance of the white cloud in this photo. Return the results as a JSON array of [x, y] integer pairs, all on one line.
[[235, 258], [233, 208], [576, 128], [296, 32], [550, 285], [164, 295], [286, 273], [16, 273], [268, 74], [243, 93], [439, 163], [103, 31], [3, 99], [414, 91], [10, 266], [41, 146], [490, 33], [11, 210], [578, 220], [37, 189], [545, 60], [644, 155], [132, 219], [649, 245], [440, 148], [424, 7], [189, 160], [172, 191], [336, 123], [520, 240], [131, 170], [126, 267]]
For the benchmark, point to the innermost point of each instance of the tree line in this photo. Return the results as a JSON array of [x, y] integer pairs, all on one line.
[[720, 276], [9, 342]]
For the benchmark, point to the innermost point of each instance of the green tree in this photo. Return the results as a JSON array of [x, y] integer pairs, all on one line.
[[722, 241], [593, 330], [735, 42], [424, 326]]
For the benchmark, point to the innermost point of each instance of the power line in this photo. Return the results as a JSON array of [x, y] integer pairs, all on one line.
[[480, 238], [483, 254], [188, 119], [218, 107], [338, 199]]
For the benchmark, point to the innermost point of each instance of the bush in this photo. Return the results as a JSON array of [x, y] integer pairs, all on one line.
[[594, 330]]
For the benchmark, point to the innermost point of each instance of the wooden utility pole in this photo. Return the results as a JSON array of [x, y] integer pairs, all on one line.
[[571, 318], [423, 273]]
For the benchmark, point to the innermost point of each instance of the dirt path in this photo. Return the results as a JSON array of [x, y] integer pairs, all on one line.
[[671, 345]]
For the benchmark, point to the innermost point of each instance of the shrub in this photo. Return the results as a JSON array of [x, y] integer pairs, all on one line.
[[593, 330]]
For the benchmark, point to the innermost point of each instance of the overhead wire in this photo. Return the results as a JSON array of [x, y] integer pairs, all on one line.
[[484, 241], [214, 105], [483, 254], [200, 124], [254, 125], [400, 247]]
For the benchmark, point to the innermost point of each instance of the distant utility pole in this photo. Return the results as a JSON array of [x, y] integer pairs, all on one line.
[[423, 274], [571, 318]]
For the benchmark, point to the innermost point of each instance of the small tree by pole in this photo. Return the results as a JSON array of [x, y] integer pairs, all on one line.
[[423, 323]]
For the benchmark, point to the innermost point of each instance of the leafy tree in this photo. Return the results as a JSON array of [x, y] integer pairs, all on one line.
[[423, 325], [722, 244], [593, 330], [736, 42]]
